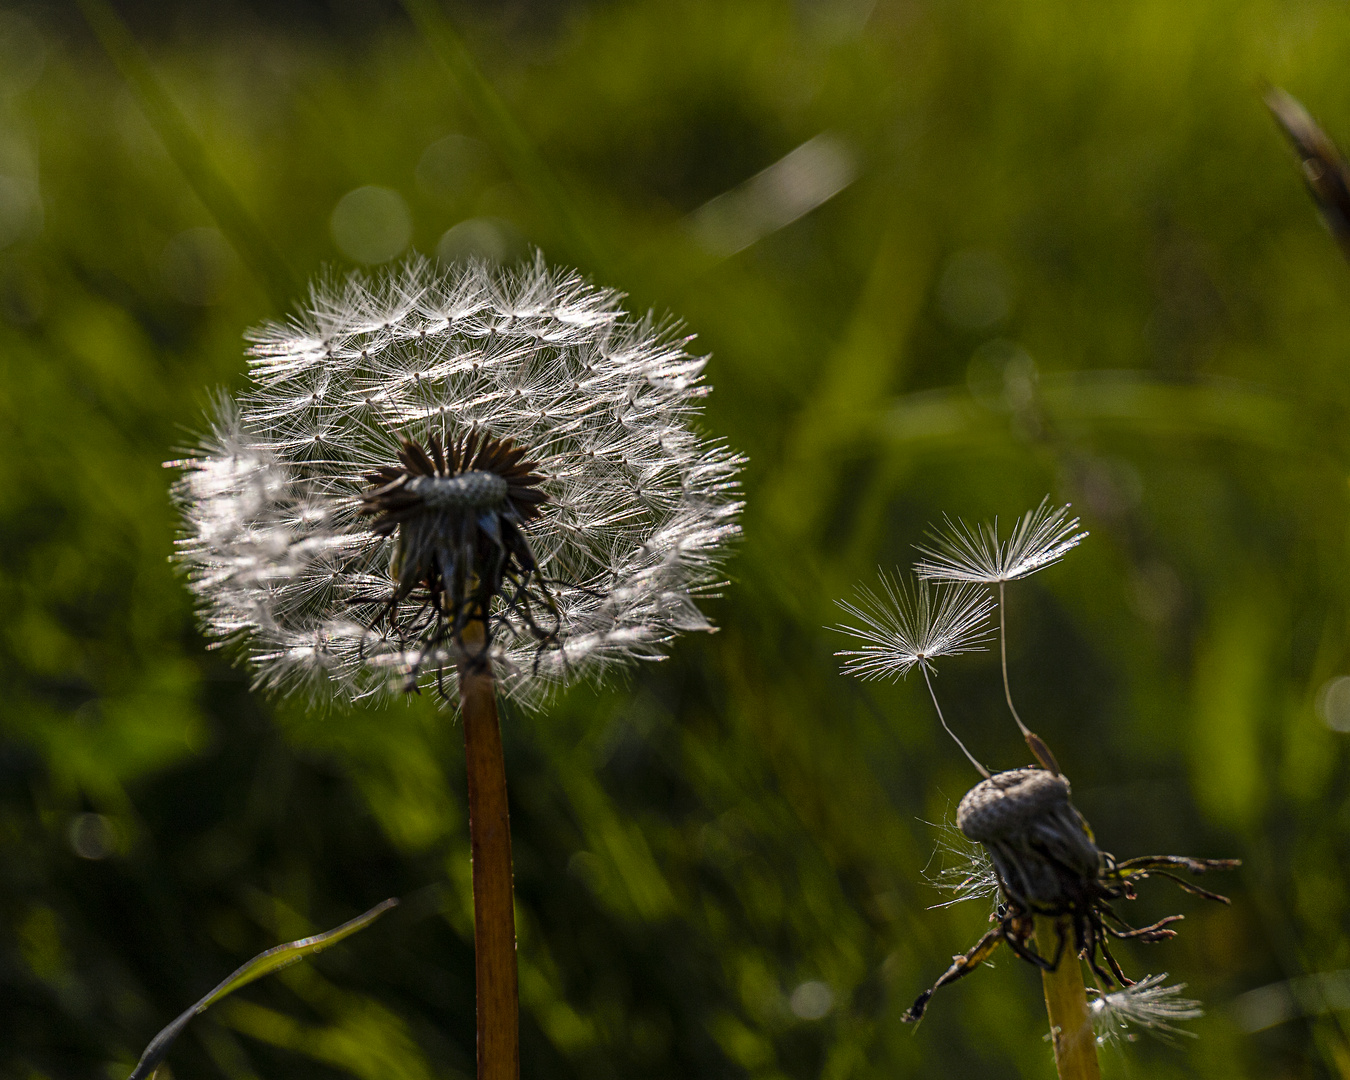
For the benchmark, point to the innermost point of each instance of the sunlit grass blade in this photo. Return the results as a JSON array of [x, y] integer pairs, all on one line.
[[500, 128], [265, 963], [243, 232], [1324, 168]]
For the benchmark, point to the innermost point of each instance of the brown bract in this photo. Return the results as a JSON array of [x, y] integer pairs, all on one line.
[[459, 512]]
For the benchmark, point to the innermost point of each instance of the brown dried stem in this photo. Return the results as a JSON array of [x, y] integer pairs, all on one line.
[[494, 921]]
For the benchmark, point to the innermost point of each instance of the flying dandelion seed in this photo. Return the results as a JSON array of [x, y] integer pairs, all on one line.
[[418, 453], [908, 624]]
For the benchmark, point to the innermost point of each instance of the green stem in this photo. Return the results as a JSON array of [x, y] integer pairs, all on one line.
[[494, 921], [1066, 1003]]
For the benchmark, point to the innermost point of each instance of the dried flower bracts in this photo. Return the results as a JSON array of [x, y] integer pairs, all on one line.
[[1048, 863], [459, 514]]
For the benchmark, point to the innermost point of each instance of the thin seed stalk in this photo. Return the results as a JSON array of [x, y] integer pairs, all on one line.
[[1067, 1004], [494, 918], [1038, 749]]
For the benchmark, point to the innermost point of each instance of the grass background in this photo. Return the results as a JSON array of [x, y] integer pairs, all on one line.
[[1073, 257]]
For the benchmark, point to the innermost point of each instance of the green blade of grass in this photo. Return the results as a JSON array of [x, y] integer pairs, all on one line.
[[185, 148], [499, 127], [263, 964]]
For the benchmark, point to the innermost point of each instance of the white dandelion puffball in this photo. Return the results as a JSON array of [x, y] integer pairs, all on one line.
[[480, 369]]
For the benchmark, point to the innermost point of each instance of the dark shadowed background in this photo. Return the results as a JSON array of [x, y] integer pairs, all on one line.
[[948, 256]]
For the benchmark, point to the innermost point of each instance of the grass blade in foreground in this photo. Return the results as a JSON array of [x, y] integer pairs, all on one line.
[[263, 964]]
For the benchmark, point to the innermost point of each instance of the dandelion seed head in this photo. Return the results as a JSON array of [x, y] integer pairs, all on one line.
[[912, 623], [1149, 1004], [975, 554], [312, 541]]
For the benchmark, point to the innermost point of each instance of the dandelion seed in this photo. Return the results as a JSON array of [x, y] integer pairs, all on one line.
[[961, 552], [914, 625], [977, 556], [964, 869], [1148, 1004], [420, 453]]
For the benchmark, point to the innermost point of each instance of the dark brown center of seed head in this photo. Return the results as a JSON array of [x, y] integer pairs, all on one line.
[[454, 478], [1008, 803], [459, 513]]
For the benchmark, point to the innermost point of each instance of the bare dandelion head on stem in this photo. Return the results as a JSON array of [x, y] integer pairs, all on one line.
[[434, 448]]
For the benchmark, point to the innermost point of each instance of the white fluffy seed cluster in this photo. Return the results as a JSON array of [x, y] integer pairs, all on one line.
[[640, 506], [1149, 1004]]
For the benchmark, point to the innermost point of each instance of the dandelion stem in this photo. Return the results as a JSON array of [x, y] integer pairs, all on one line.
[[1038, 747], [983, 771], [1066, 1003], [494, 924]]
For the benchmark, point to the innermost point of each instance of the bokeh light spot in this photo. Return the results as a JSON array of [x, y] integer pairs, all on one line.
[[92, 836], [371, 225], [811, 1000], [493, 239], [453, 167], [1333, 703]]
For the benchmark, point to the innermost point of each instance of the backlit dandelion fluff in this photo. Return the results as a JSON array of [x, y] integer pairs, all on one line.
[[976, 556], [908, 624], [420, 452], [1040, 538], [489, 472], [911, 625], [962, 868], [1149, 1004]]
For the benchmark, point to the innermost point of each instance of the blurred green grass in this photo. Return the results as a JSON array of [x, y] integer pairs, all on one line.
[[1074, 257]]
